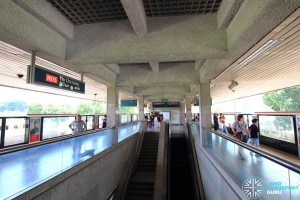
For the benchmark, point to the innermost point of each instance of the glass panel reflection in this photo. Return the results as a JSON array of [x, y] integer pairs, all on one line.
[[27, 168], [128, 130], [244, 165]]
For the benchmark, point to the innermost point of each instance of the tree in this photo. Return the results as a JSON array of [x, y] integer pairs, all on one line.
[[287, 99], [85, 109], [126, 110], [35, 108]]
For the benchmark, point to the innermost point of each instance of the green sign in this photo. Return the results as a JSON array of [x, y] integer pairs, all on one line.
[[42, 76], [129, 103], [164, 100], [166, 104], [196, 101]]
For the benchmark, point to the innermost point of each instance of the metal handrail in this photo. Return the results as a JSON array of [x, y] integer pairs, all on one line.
[[161, 179], [274, 158], [196, 168], [51, 140]]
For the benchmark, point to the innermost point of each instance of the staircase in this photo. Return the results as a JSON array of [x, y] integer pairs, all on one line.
[[181, 182], [141, 184]]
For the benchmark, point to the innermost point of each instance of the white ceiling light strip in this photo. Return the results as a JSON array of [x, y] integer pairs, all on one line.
[[269, 45]]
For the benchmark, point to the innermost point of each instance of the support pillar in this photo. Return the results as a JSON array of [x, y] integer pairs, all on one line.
[[141, 108], [182, 116], [205, 106], [188, 106], [113, 110]]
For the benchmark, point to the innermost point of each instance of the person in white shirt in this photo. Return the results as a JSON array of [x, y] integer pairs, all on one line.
[[78, 125]]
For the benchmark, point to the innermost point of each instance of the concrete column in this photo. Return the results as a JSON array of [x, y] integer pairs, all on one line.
[[182, 116], [141, 108], [188, 108], [112, 106], [205, 105]]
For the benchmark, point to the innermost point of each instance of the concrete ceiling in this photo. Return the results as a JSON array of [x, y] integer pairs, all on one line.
[[163, 54]]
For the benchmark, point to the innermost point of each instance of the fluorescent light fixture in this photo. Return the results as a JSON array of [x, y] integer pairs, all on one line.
[[270, 44], [232, 85]]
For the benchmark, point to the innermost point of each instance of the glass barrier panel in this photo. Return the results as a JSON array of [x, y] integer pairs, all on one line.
[[247, 166], [128, 130], [28, 168], [123, 119], [16, 131], [0, 128], [56, 126], [277, 127], [90, 122]]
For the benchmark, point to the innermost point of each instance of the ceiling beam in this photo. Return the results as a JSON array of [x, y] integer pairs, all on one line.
[[154, 66], [114, 67], [136, 15], [227, 11], [199, 64]]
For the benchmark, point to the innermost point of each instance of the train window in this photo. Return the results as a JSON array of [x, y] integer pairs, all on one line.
[[277, 127]]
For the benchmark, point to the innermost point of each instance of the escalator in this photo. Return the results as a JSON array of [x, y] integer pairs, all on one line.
[[182, 184], [141, 184]]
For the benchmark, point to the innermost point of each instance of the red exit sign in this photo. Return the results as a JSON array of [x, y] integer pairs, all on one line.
[[51, 79]]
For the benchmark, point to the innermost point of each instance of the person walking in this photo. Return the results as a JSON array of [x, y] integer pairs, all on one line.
[[241, 132], [254, 133], [240, 129], [222, 120]]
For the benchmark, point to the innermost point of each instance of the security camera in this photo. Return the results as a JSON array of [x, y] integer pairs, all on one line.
[[20, 75]]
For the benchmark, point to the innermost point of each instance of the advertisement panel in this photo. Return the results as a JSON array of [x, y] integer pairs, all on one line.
[[35, 127]]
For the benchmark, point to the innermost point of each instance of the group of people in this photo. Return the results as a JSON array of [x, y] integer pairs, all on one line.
[[240, 129], [149, 117]]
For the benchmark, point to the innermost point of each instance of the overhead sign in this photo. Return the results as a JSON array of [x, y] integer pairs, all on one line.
[[129, 103], [166, 104], [42, 76], [164, 100], [196, 101]]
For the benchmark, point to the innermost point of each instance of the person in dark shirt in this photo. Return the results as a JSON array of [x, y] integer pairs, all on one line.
[[35, 130], [216, 122], [104, 123], [254, 132]]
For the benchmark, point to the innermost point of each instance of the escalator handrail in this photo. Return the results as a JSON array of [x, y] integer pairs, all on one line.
[[200, 189], [285, 163], [161, 175]]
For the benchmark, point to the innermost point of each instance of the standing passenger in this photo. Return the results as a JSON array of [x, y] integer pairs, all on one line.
[[152, 120], [254, 131], [216, 122], [78, 125]]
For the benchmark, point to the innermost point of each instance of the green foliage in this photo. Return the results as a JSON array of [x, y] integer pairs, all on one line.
[[126, 110], [283, 123], [35, 108], [91, 108], [287, 99]]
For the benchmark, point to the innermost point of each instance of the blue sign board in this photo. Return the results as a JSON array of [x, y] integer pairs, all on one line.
[[42, 76], [129, 103]]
